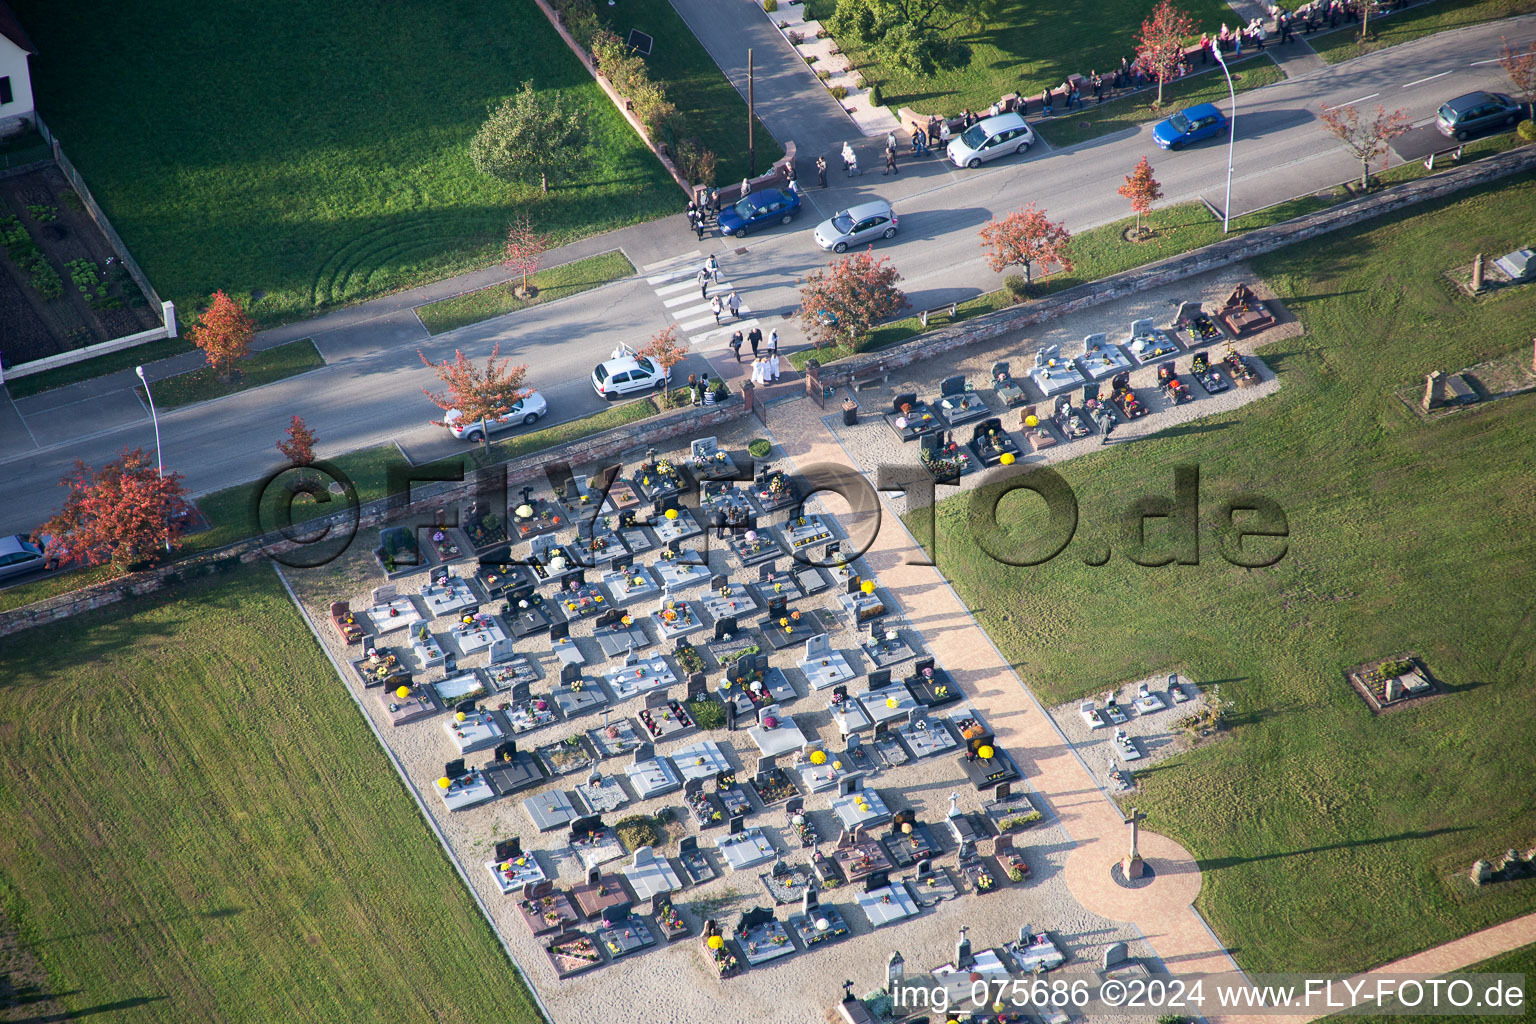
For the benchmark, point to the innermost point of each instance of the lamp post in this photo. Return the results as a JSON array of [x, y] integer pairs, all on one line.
[[1226, 210], [159, 462]]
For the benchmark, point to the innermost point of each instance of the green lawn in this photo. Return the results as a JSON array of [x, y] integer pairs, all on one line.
[[184, 843], [714, 110], [1093, 120], [1023, 48], [1413, 23], [1097, 253], [317, 153], [500, 299], [256, 369], [1404, 535], [1518, 961]]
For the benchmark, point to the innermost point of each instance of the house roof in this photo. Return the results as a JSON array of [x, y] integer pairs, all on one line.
[[11, 28]]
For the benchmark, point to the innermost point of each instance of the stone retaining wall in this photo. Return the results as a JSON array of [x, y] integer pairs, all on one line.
[[1176, 268], [599, 449]]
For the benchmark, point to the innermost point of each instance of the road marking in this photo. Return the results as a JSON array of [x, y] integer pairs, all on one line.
[[1490, 60], [700, 322], [671, 262], [678, 314], [673, 289], [723, 330], [1346, 103], [1431, 78]]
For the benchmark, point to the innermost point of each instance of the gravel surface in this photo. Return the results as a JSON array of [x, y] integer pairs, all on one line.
[[670, 983]]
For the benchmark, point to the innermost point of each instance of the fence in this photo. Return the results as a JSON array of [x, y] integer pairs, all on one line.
[[100, 217]]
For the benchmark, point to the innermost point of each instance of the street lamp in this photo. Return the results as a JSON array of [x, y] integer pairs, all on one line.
[[159, 462], [1226, 210]]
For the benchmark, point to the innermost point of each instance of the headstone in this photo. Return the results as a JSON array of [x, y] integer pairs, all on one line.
[[725, 627], [696, 686], [954, 805], [895, 968], [501, 650], [1094, 343], [1482, 873], [809, 902], [963, 958], [1003, 791], [954, 385], [1115, 953], [1434, 391], [737, 824], [570, 674], [1477, 273]]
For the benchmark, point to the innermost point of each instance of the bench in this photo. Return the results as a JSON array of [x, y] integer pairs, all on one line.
[[950, 308]]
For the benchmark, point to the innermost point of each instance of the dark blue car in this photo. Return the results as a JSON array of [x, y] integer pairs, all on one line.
[[759, 208], [1188, 126]]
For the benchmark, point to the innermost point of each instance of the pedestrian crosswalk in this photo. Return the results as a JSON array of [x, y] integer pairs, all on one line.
[[675, 283]]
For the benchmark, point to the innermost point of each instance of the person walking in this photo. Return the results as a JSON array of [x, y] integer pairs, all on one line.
[[716, 307], [919, 140], [773, 365], [718, 516], [944, 133], [733, 303], [698, 225], [890, 142], [850, 160], [773, 342], [713, 266], [821, 171], [1098, 88], [746, 188], [757, 370], [735, 345], [1073, 98], [755, 338], [693, 388], [890, 162], [1050, 103], [794, 187], [703, 280], [693, 214]]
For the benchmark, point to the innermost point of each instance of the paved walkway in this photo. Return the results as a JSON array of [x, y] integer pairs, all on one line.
[[1163, 910]]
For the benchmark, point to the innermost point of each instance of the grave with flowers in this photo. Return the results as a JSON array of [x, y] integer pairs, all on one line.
[[675, 619], [530, 714], [408, 703], [719, 953], [526, 616], [668, 919], [551, 560], [705, 807], [802, 532], [753, 547], [576, 598], [1009, 811], [517, 870], [708, 461], [545, 909], [725, 496], [885, 644], [639, 674], [624, 933], [992, 445], [615, 738], [931, 686], [943, 457], [442, 543], [476, 633], [597, 546], [927, 736], [909, 840], [572, 953], [567, 756], [1055, 374], [772, 785], [576, 696], [502, 574], [817, 923], [532, 517], [784, 627], [910, 419], [762, 937], [657, 479], [673, 524], [381, 666], [628, 582], [594, 843], [1390, 683], [398, 554], [773, 489], [680, 569], [461, 789], [861, 600], [618, 632], [663, 718]]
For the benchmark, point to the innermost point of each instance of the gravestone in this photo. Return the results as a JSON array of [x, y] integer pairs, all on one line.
[[1482, 873], [696, 686], [895, 969], [1114, 954], [725, 627], [501, 650], [950, 386], [963, 957]]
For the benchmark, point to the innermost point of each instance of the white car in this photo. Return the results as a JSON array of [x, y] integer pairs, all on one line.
[[626, 373], [990, 138], [524, 412], [18, 555]]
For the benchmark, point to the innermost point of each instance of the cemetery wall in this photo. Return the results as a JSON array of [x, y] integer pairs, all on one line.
[[1177, 268], [679, 425]]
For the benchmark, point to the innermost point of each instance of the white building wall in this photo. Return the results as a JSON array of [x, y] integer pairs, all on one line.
[[13, 65]]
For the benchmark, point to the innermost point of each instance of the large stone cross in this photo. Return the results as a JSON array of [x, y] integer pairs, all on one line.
[[1134, 820]]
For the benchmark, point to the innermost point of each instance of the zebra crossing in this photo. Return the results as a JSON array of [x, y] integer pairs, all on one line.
[[675, 283]]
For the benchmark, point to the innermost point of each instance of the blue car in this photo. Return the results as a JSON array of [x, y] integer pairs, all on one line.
[[767, 207], [1188, 126]]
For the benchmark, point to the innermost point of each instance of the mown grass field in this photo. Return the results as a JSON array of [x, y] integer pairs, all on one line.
[[201, 827], [499, 299], [1330, 839], [1414, 23], [318, 154], [1022, 48]]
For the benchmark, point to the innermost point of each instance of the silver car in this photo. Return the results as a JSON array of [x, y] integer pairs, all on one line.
[[856, 225], [990, 138], [18, 555]]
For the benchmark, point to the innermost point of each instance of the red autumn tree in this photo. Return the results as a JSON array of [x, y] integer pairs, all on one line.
[[1366, 138], [665, 349], [1026, 237], [477, 395], [523, 250], [122, 513], [299, 449], [1520, 66], [842, 303], [223, 332], [1142, 190], [1160, 46]]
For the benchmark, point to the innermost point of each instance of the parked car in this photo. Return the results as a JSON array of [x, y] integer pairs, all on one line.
[[19, 555], [1188, 126], [1467, 115], [772, 206], [990, 138], [524, 412], [627, 372], [856, 225]]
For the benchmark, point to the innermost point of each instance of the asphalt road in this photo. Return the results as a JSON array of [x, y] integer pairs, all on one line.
[[370, 391]]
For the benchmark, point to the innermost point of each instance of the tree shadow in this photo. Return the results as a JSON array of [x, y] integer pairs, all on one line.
[[1218, 863], [89, 1011]]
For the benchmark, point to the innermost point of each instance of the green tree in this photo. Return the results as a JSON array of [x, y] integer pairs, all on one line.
[[529, 135], [912, 34]]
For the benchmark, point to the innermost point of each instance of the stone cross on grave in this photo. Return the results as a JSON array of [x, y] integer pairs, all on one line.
[[954, 805], [1133, 864]]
